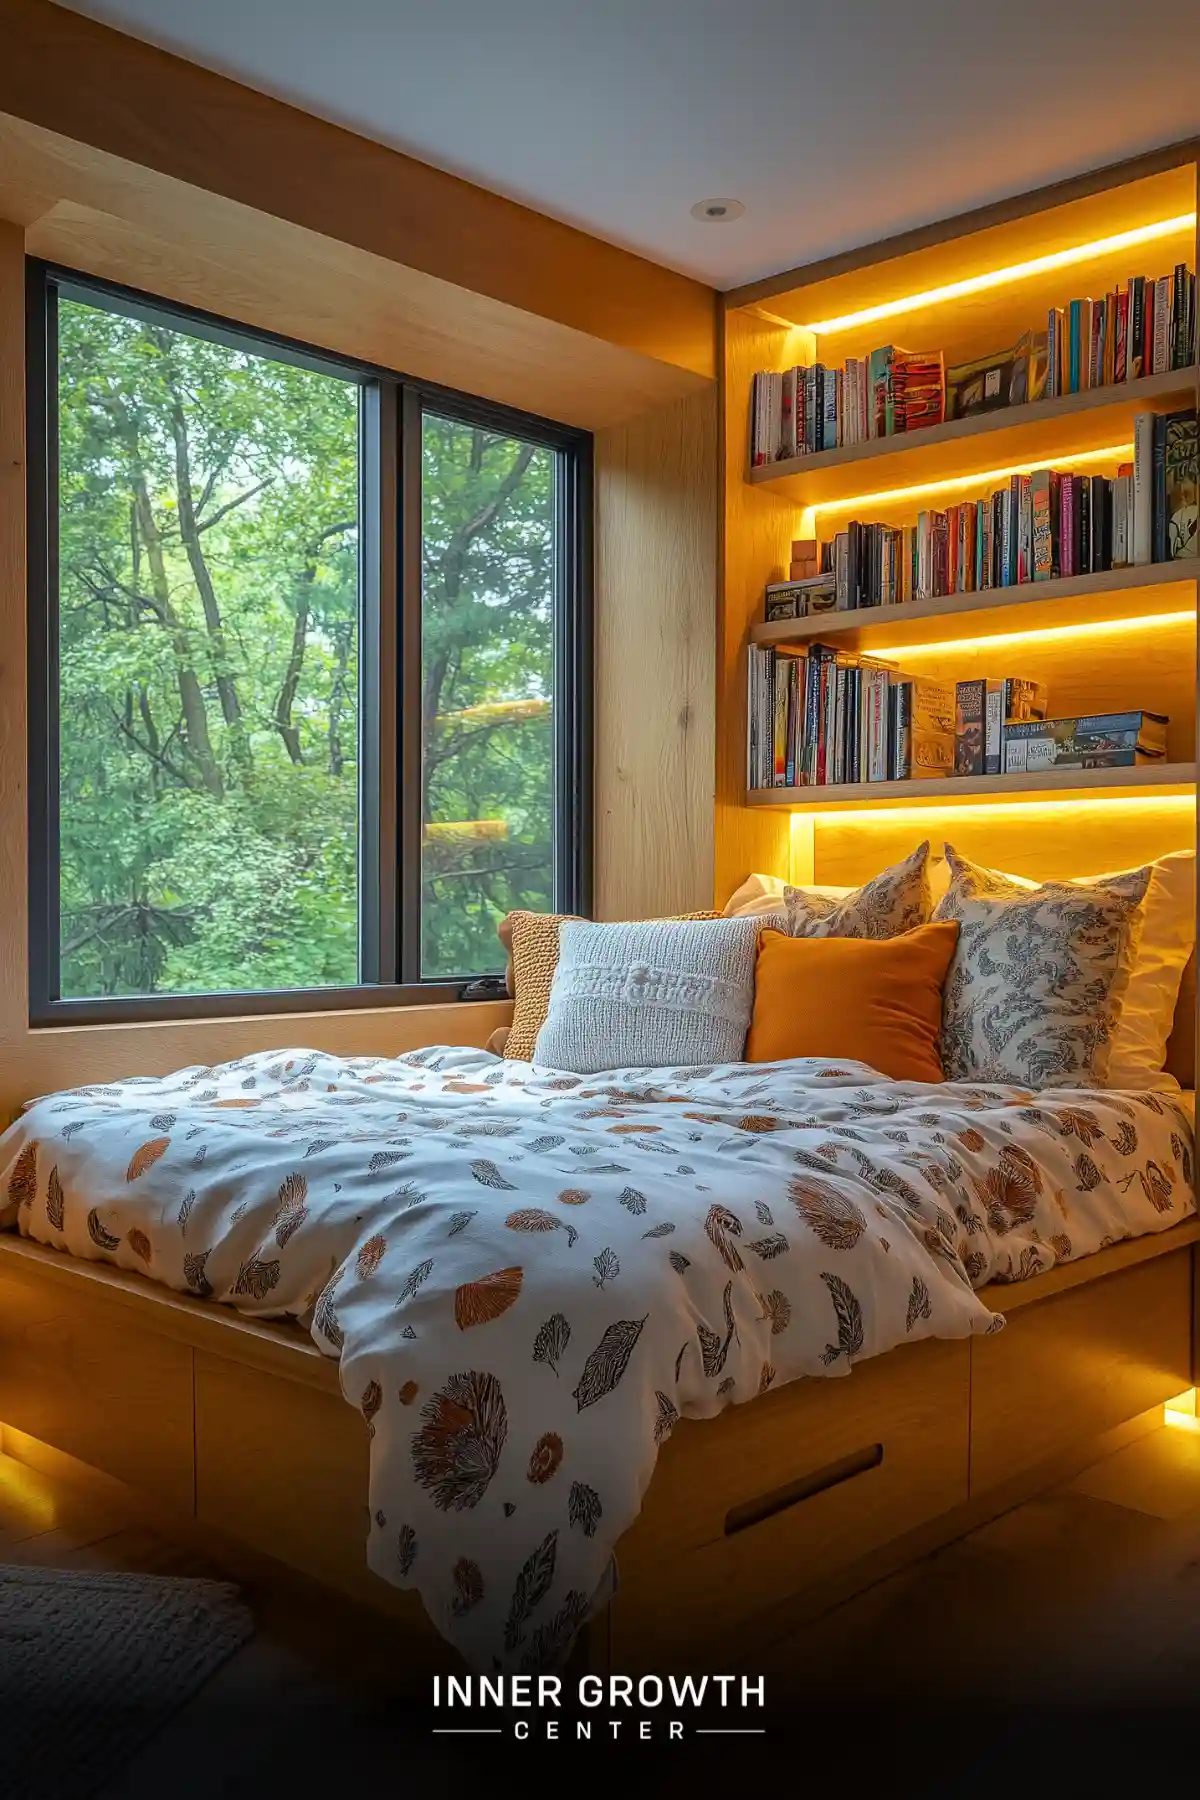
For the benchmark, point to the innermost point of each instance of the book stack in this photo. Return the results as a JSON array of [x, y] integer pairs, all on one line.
[[1095, 741], [802, 410], [1045, 524], [826, 717], [1146, 328], [799, 599], [984, 709]]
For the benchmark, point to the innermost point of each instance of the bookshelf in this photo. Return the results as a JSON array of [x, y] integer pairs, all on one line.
[[1120, 640], [1045, 431]]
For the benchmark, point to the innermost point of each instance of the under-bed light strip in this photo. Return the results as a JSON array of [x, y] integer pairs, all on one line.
[[1180, 1412], [1046, 634], [993, 278], [958, 483]]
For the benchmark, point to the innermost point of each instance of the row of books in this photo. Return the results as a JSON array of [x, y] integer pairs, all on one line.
[[1147, 328], [829, 717], [803, 410], [1040, 526], [1002, 726]]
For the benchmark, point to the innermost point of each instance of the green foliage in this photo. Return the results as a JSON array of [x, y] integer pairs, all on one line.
[[209, 670]]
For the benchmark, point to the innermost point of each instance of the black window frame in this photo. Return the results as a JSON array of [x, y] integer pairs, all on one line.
[[389, 896]]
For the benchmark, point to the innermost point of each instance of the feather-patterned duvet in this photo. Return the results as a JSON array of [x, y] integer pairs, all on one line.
[[529, 1278]]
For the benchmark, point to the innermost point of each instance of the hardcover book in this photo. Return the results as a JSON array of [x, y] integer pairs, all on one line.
[[969, 708], [1181, 485]]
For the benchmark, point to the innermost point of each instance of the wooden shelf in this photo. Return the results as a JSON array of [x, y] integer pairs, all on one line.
[[1161, 780], [1045, 431], [1102, 599]]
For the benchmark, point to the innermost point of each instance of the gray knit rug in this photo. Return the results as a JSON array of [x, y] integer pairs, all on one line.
[[92, 1664]]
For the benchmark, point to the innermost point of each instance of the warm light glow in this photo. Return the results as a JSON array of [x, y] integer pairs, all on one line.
[[949, 484], [929, 811], [1180, 1413], [1047, 634], [994, 278], [26, 1494]]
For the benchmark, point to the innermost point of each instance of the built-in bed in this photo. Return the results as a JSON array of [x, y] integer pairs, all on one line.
[[241, 1422]]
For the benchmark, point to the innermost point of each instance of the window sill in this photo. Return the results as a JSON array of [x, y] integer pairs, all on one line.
[[161, 1009]]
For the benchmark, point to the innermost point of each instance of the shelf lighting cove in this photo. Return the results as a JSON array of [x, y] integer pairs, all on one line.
[[949, 484], [1046, 634], [985, 810], [994, 278]]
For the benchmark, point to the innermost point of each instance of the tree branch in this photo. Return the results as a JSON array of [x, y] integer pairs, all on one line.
[[230, 505], [159, 757]]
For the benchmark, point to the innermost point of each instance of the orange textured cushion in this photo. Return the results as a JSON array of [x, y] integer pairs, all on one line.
[[872, 1000]]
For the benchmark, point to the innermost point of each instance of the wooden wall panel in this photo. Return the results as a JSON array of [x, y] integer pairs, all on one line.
[[1044, 841], [656, 550], [101, 88], [91, 211], [758, 530]]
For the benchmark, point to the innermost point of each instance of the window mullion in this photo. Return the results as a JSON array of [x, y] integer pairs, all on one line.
[[410, 733], [379, 953]]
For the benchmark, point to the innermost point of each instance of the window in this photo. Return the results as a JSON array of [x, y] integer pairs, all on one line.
[[487, 688], [307, 657]]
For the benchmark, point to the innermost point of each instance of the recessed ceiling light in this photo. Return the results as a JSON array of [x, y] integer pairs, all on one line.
[[717, 212]]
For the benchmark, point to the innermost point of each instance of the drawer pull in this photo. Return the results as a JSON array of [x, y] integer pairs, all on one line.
[[753, 1512]]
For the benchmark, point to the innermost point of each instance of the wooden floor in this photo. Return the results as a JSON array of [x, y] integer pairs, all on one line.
[[1081, 1604]]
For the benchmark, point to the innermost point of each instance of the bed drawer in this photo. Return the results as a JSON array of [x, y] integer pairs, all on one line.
[[79, 1375], [1068, 1368], [784, 1492]]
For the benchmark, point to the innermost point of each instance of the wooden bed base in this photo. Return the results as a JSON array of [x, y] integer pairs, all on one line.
[[753, 1520]]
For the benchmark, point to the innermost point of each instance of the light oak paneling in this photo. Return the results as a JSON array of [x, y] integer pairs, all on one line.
[[14, 1007], [1097, 1355], [133, 225], [110, 92], [82, 1375], [686, 1584], [1052, 841], [758, 526], [656, 552]]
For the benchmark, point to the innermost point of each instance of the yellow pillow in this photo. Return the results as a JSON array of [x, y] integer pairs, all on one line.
[[531, 942], [871, 1000]]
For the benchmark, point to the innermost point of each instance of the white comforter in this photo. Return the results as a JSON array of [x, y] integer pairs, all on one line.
[[529, 1278]]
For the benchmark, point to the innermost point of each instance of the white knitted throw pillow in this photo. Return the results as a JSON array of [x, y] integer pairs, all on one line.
[[660, 993]]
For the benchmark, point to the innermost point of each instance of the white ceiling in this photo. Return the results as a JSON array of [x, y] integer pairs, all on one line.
[[835, 124]]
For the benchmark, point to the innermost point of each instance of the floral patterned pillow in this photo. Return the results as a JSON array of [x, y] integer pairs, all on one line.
[[1032, 993], [897, 900]]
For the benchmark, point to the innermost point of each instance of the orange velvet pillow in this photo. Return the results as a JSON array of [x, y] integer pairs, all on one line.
[[872, 1000]]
